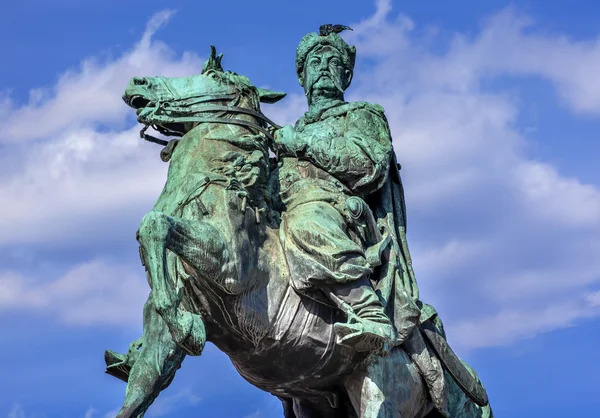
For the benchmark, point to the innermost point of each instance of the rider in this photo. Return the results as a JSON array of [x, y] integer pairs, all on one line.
[[335, 157]]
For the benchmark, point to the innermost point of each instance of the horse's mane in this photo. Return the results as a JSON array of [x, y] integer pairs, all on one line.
[[239, 82]]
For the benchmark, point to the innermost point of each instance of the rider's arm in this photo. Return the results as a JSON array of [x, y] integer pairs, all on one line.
[[360, 158]]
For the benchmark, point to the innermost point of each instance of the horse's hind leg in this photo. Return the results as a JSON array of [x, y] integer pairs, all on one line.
[[154, 368], [195, 242]]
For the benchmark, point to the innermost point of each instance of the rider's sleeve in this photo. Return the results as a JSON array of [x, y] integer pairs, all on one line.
[[360, 158]]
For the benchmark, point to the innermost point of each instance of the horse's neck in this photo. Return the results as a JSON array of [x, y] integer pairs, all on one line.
[[245, 102]]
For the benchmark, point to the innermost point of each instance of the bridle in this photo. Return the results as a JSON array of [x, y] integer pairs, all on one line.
[[186, 111]]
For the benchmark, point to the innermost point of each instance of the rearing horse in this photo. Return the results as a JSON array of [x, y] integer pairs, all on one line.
[[216, 267]]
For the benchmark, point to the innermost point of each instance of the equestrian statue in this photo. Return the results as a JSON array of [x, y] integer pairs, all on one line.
[[286, 248]]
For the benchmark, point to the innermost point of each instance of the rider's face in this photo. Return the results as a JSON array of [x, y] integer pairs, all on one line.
[[324, 73]]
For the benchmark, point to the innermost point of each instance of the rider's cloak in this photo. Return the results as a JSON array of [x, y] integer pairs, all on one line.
[[414, 319], [397, 286]]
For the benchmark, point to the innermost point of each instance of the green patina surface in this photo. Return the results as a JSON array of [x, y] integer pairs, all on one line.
[[297, 267]]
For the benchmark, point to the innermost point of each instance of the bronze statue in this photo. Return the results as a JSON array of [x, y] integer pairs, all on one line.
[[296, 267]]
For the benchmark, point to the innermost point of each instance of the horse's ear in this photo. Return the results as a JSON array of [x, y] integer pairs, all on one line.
[[213, 62], [269, 96]]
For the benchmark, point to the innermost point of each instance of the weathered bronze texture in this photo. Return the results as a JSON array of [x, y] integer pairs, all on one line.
[[297, 267]]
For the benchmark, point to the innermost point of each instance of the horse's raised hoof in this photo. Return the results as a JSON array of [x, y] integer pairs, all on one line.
[[118, 365]]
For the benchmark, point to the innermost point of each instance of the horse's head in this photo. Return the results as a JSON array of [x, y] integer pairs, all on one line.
[[173, 105]]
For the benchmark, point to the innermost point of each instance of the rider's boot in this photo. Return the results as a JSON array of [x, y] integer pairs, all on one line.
[[368, 327]]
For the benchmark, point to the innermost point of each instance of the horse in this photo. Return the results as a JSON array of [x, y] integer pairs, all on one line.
[[214, 261]]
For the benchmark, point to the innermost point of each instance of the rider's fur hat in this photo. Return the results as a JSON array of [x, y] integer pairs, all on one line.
[[327, 37]]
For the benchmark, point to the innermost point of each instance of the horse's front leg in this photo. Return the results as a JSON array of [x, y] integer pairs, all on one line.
[[154, 367], [198, 244]]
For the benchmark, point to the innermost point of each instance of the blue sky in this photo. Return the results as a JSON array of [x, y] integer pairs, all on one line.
[[495, 112]]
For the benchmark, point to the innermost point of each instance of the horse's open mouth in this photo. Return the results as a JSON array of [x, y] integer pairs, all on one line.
[[138, 102]]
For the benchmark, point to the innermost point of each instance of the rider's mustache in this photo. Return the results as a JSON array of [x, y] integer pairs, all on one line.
[[328, 74], [325, 73], [321, 75]]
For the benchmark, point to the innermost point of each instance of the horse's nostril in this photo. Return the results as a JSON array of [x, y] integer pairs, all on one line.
[[138, 81]]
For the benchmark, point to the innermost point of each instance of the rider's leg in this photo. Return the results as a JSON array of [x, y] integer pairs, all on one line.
[[368, 327], [321, 254]]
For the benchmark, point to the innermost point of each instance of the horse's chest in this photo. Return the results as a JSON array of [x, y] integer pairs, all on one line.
[[194, 155], [196, 161]]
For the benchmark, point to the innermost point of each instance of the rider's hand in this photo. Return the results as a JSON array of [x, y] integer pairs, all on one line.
[[285, 139]]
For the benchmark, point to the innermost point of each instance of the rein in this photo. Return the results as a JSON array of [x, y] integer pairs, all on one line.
[[194, 105]]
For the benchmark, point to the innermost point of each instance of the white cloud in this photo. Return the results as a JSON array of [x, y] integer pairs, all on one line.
[[111, 414], [508, 326], [594, 299], [68, 180], [90, 413], [558, 199], [511, 45], [61, 169], [167, 403], [506, 247], [91, 94], [82, 175], [91, 293], [16, 412]]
